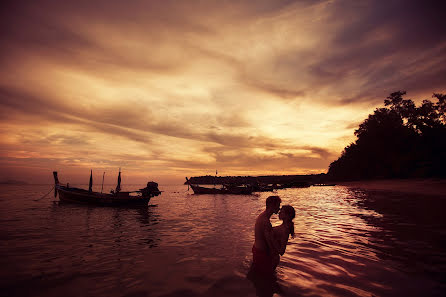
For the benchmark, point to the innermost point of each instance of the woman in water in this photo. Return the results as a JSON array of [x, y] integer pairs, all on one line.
[[283, 231]]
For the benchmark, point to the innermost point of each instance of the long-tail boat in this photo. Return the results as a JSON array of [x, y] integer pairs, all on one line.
[[226, 189], [139, 197]]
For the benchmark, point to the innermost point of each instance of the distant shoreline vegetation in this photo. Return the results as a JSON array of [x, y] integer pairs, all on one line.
[[266, 179], [400, 140]]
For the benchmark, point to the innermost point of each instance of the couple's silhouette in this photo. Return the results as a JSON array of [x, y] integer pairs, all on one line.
[[269, 244]]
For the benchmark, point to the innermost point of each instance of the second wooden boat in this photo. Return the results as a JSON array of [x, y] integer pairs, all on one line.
[[225, 189]]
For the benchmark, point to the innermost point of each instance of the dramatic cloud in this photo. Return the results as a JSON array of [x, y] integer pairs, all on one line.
[[169, 88]]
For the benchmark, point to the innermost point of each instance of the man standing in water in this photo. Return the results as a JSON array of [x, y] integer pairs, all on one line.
[[265, 246]]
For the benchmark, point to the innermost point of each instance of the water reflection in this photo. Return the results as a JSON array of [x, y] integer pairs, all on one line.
[[348, 243], [264, 286], [411, 234], [141, 221], [342, 248]]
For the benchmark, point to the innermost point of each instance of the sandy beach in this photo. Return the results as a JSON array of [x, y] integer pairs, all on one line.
[[434, 187]]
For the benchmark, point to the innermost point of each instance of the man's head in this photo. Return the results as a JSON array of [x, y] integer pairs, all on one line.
[[273, 203]]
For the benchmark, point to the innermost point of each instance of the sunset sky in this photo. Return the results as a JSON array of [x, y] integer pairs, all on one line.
[[167, 89]]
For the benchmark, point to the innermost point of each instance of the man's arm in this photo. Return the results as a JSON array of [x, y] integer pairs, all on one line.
[[269, 238]]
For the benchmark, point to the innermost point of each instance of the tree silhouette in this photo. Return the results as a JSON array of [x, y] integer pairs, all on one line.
[[397, 141]]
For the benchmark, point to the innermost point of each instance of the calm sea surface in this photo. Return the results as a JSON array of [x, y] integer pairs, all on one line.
[[348, 243]]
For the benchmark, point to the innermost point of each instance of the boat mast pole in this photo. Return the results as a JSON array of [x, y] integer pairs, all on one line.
[[215, 177], [90, 185], [102, 188], [118, 187]]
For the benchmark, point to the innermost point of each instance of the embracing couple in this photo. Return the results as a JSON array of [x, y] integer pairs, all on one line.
[[271, 242]]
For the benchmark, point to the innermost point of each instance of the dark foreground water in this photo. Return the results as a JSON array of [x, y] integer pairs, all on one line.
[[348, 243]]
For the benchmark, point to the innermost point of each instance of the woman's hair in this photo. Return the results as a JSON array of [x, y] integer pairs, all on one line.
[[291, 214]]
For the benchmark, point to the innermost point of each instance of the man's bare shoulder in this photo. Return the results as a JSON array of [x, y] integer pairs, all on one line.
[[263, 223], [262, 219]]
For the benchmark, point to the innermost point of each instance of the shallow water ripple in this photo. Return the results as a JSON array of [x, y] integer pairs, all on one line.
[[347, 243]]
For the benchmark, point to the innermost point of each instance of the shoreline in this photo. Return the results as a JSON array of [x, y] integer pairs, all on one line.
[[431, 186]]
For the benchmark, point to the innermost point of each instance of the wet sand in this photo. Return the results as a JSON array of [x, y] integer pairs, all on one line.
[[431, 187]]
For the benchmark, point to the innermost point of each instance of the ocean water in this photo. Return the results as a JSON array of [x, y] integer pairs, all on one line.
[[348, 243]]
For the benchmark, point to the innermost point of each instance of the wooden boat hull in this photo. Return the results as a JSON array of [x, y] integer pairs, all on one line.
[[324, 185], [227, 189], [263, 188], [297, 185], [238, 190], [139, 197], [82, 196], [233, 191], [203, 190]]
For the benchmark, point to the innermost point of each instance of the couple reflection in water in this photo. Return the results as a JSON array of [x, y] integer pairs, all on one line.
[[269, 244]]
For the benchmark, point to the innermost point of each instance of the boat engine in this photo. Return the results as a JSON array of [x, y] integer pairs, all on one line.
[[151, 189]]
